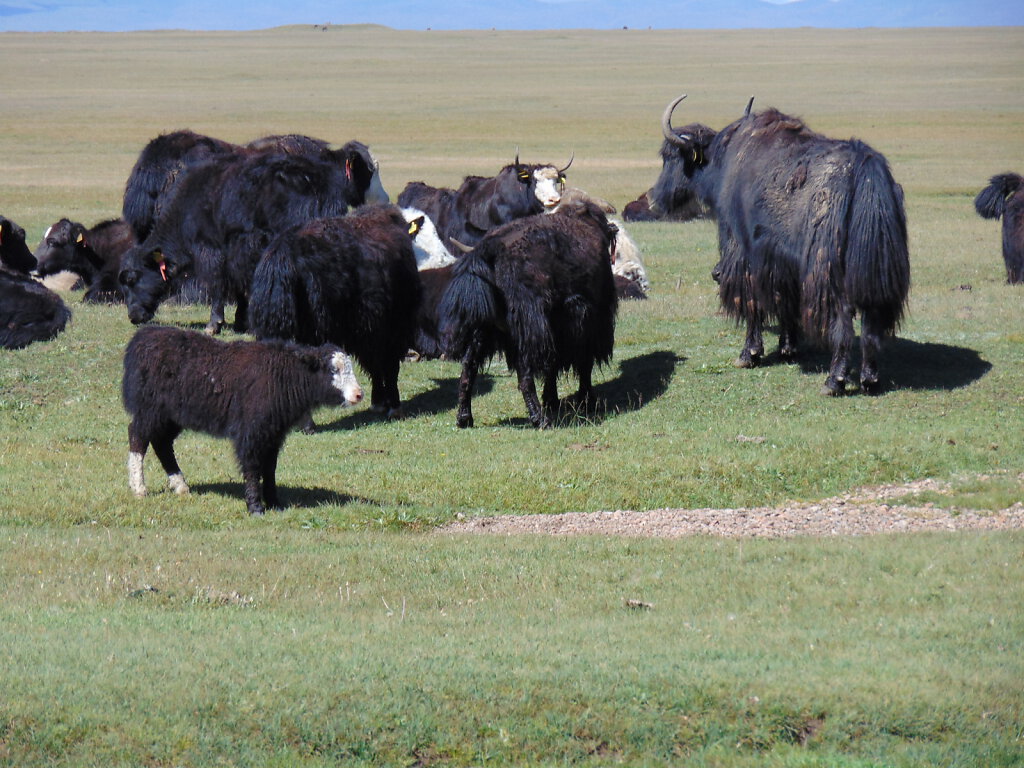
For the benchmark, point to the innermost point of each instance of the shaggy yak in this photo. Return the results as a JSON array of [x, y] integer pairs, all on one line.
[[811, 231], [222, 215], [1004, 197], [348, 280], [540, 291], [29, 311], [250, 392]]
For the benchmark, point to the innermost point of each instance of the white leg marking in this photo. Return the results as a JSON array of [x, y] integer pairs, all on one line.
[[177, 483], [136, 481]]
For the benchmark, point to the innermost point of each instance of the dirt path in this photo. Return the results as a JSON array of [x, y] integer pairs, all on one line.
[[860, 512]]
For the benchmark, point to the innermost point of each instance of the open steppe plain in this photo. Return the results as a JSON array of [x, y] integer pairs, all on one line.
[[360, 626]]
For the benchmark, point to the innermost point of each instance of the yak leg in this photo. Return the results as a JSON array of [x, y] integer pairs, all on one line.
[[216, 315], [241, 314], [789, 335], [549, 397], [163, 447], [585, 394], [841, 335], [753, 346], [268, 468], [137, 446], [384, 397], [870, 345], [538, 416], [470, 366]]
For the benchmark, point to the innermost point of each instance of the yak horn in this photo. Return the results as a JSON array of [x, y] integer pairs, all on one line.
[[746, 112], [461, 246], [571, 158], [516, 161], [666, 123]]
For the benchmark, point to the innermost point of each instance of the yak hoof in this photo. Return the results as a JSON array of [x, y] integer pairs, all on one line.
[[257, 510], [870, 386], [834, 387], [747, 360], [178, 484], [212, 329], [464, 421]]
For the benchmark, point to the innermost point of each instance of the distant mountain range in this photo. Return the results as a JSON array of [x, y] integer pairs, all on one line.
[[116, 15]]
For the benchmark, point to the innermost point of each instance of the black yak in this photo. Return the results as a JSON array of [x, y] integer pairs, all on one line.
[[1004, 197], [94, 254], [14, 252], [29, 311], [482, 203], [811, 231], [540, 291], [349, 280], [223, 214], [250, 392], [165, 161]]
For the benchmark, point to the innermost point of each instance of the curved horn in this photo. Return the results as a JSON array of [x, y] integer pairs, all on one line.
[[461, 246], [516, 161], [666, 123], [571, 158], [746, 112]]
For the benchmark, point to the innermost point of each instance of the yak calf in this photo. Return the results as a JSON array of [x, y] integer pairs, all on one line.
[[250, 392]]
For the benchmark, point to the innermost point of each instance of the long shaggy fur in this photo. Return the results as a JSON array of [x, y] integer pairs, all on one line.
[[349, 280], [1002, 198], [539, 290], [812, 230], [252, 393]]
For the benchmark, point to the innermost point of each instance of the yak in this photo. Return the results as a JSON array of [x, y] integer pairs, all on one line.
[[29, 311], [250, 392], [812, 230], [93, 253], [540, 291], [223, 214], [1004, 197], [349, 280], [165, 160], [481, 203]]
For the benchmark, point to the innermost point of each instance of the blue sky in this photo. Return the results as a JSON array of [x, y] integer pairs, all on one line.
[[122, 15]]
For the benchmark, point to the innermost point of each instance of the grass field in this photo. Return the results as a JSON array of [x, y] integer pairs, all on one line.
[[343, 630]]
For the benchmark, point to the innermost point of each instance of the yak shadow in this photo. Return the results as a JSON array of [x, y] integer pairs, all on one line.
[[641, 379], [916, 365], [290, 497], [442, 398]]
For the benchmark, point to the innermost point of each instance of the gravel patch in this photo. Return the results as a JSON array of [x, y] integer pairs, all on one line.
[[861, 512]]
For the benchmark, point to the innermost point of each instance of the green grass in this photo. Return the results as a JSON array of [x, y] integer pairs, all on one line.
[[342, 630]]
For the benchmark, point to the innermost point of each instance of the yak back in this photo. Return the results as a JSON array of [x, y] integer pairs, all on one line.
[[29, 311], [539, 288], [351, 280], [222, 388]]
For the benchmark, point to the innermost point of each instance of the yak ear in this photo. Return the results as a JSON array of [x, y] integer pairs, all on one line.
[[416, 225], [78, 234]]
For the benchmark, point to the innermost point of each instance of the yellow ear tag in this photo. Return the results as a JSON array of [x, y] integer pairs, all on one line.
[[80, 239], [414, 228]]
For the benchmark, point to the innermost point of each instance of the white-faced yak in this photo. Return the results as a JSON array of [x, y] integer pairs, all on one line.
[[1004, 197], [811, 232], [349, 280], [250, 392], [539, 290]]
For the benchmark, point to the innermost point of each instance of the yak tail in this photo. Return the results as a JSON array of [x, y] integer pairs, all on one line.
[[877, 267], [858, 258], [470, 305], [991, 201], [283, 298]]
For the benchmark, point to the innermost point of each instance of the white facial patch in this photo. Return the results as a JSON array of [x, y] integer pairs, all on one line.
[[344, 379], [136, 481], [430, 251], [547, 187], [376, 193]]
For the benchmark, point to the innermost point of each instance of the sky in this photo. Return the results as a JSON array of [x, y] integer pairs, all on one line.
[[127, 15]]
